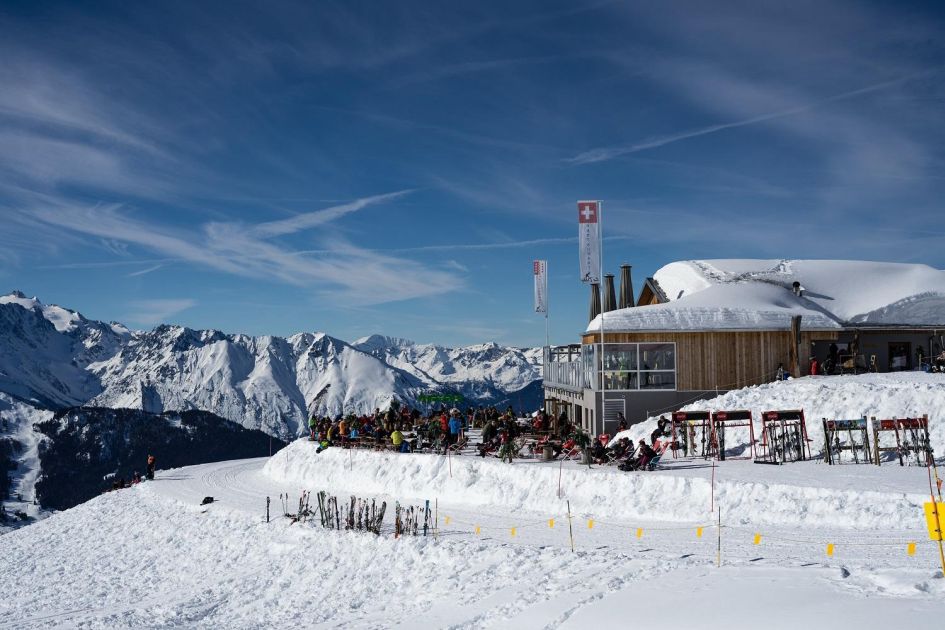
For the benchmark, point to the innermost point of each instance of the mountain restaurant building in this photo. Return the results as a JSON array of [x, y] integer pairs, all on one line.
[[700, 328]]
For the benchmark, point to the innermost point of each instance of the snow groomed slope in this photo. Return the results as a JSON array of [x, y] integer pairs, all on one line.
[[152, 556]]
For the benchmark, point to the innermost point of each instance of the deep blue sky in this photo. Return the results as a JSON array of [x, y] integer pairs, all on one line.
[[394, 167]]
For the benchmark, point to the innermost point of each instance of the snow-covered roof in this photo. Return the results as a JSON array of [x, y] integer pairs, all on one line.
[[744, 294]]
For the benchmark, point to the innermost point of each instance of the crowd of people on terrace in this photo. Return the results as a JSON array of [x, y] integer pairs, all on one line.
[[503, 434]]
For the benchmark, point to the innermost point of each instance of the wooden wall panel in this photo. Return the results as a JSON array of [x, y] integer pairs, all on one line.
[[726, 360]]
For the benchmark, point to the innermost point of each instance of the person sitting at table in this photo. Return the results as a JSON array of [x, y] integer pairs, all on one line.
[[569, 445], [645, 455], [599, 453], [489, 432]]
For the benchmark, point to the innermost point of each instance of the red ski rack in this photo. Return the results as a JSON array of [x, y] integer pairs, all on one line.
[[724, 420], [690, 427], [783, 437], [912, 438]]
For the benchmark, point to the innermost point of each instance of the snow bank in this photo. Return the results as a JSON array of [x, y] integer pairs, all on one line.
[[897, 395], [599, 493]]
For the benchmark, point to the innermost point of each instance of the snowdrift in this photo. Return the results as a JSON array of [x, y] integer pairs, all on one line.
[[897, 395], [599, 493]]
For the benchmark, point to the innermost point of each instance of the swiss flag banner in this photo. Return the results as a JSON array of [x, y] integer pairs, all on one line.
[[541, 286], [589, 240]]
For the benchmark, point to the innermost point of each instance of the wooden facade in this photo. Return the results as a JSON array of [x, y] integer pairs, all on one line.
[[724, 360]]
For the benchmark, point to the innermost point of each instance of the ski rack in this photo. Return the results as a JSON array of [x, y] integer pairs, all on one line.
[[783, 437], [684, 428], [722, 421], [904, 428], [833, 448]]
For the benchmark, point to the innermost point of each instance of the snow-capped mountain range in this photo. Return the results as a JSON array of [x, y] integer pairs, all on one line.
[[57, 358]]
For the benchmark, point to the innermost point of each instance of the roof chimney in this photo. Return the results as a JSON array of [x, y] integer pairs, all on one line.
[[626, 287], [610, 296], [595, 301]]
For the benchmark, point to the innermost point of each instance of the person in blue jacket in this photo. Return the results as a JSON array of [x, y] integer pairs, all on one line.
[[455, 426]]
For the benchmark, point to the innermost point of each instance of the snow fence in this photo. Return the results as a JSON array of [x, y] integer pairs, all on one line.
[[593, 493]]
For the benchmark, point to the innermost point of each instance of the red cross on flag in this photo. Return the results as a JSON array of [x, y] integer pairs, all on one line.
[[588, 211], [589, 240]]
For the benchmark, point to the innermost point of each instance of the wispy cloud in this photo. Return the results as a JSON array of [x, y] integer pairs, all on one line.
[[157, 311], [609, 153], [143, 272], [342, 270], [310, 220]]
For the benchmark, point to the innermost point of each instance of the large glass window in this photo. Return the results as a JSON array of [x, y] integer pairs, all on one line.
[[657, 356], [630, 366]]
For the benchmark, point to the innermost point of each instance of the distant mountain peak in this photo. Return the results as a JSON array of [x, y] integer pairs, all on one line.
[[382, 342]]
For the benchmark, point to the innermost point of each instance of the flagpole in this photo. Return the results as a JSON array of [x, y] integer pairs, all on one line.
[[547, 308], [600, 281]]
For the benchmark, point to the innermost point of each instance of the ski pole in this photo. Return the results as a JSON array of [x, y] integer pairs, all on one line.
[[267, 509], [570, 529], [712, 500], [719, 553]]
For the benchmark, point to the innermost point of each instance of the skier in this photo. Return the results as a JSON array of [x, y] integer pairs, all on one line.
[[312, 422], [151, 461]]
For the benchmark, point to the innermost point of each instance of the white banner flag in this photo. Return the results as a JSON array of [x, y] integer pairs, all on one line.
[[541, 286], [589, 240]]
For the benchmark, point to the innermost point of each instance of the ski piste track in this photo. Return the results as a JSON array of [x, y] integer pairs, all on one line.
[[151, 556]]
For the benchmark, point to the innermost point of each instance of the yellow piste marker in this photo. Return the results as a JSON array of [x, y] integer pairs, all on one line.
[[757, 539], [446, 520], [698, 532], [590, 524], [513, 532], [935, 519], [910, 549], [551, 523], [640, 532], [830, 549], [478, 530]]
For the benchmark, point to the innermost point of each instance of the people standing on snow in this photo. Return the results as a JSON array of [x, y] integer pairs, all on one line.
[[400, 444], [455, 426], [507, 448], [151, 462], [621, 422], [312, 424]]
